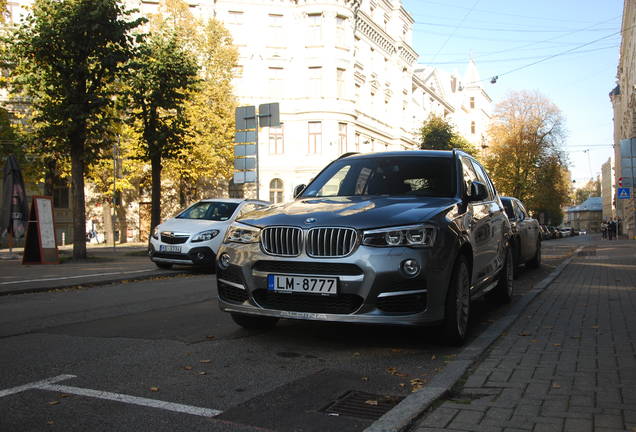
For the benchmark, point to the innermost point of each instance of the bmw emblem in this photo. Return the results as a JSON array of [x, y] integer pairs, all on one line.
[[310, 220]]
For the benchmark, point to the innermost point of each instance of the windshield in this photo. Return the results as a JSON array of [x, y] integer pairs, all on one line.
[[214, 210], [397, 175]]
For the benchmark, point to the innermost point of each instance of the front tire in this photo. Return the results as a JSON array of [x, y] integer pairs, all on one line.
[[457, 314], [502, 293], [535, 262], [254, 322]]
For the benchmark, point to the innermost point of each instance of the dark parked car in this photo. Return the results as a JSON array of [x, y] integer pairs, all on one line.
[[399, 238], [526, 234]]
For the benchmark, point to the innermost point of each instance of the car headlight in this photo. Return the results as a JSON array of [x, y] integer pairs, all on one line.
[[241, 233], [155, 233], [204, 236], [410, 236]]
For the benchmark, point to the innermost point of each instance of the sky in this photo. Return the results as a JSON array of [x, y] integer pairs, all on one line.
[[574, 43]]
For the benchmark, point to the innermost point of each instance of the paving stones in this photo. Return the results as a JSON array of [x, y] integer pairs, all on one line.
[[567, 364]]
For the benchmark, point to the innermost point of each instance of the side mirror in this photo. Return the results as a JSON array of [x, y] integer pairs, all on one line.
[[298, 190], [478, 191]]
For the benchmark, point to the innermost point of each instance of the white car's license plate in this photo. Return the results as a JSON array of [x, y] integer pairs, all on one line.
[[169, 248], [302, 284]]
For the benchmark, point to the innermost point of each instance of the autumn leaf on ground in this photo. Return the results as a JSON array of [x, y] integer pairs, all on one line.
[[556, 344], [50, 422], [211, 337], [202, 373], [64, 395], [154, 389], [356, 354], [595, 327], [433, 357], [365, 378], [556, 386], [402, 385], [401, 375], [205, 361], [534, 340], [371, 402], [391, 370], [396, 350], [187, 367], [524, 334], [54, 402]]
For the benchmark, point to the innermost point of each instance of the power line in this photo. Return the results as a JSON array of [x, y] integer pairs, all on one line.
[[455, 29], [507, 30], [524, 58]]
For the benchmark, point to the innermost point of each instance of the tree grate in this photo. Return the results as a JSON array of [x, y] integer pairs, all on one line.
[[362, 405]]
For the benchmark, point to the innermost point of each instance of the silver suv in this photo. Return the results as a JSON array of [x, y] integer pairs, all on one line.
[[400, 238]]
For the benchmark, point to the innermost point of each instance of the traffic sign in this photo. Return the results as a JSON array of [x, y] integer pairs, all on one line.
[[624, 193]]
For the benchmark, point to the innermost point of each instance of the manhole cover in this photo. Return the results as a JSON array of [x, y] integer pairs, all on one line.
[[362, 405]]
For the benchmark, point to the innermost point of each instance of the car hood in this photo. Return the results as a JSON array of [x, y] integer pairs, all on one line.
[[191, 226], [355, 212]]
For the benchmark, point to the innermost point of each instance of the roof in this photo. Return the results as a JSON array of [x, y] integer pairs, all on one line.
[[430, 153], [590, 204]]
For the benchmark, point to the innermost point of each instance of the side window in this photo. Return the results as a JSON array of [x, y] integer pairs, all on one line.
[[469, 174], [523, 214], [483, 177]]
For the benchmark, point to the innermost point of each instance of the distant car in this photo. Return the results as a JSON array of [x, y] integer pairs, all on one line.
[[526, 234], [545, 233], [193, 236], [565, 231]]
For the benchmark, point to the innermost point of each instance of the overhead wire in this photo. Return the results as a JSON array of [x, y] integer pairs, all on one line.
[[455, 29]]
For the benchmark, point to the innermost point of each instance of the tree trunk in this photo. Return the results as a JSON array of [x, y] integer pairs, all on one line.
[[77, 188], [122, 222], [155, 212]]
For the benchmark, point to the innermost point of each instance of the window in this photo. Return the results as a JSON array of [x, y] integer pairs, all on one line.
[[276, 36], [473, 127], [341, 39], [469, 174], [483, 177], [276, 191], [472, 102], [209, 210], [275, 81], [276, 143], [342, 137], [315, 81], [314, 29], [357, 142], [340, 83], [235, 17], [315, 137], [61, 194]]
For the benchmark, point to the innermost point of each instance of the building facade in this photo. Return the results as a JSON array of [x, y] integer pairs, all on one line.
[[608, 190], [587, 216], [623, 99]]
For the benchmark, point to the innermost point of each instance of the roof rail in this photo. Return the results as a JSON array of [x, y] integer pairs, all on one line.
[[344, 155]]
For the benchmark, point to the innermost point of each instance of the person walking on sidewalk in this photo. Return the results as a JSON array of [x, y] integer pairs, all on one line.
[[604, 229], [611, 229]]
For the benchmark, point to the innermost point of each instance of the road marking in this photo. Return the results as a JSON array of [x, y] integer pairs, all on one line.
[[49, 385], [76, 277], [34, 385]]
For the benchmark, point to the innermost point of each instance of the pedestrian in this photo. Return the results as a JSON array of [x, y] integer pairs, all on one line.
[[604, 229], [611, 230]]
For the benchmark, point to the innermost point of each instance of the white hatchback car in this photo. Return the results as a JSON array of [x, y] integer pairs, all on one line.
[[193, 236]]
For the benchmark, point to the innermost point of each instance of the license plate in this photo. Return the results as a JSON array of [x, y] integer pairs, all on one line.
[[169, 248], [302, 284]]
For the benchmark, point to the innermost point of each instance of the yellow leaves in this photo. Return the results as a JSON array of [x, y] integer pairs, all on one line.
[[154, 389], [55, 402], [205, 361], [372, 402]]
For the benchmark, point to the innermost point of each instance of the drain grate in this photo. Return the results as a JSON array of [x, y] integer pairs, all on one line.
[[362, 405]]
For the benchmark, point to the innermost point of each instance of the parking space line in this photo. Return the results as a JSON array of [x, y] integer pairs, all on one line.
[[49, 384], [34, 385], [118, 397]]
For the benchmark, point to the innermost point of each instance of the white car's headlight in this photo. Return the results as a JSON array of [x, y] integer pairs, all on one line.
[[241, 233], [204, 236], [155, 233], [410, 236]]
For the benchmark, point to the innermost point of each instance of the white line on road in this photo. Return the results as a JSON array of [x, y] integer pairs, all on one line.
[[33, 385], [49, 384], [76, 277], [153, 403]]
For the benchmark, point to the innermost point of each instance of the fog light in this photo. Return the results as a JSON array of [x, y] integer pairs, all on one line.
[[411, 267], [224, 261]]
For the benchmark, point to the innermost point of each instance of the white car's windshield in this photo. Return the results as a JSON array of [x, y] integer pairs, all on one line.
[[209, 210]]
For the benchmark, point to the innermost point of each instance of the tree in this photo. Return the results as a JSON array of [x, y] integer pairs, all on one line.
[[591, 189], [164, 77], [525, 160], [67, 54], [438, 134]]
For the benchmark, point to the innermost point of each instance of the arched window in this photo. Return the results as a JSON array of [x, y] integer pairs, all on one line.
[[276, 191]]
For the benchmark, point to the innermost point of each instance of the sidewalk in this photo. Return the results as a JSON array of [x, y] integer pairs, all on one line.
[[105, 264], [567, 364]]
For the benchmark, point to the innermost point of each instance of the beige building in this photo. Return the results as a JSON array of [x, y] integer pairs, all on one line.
[[608, 191], [585, 217], [623, 98]]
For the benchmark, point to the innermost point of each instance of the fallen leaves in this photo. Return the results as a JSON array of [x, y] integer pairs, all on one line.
[[524, 334], [371, 402], [154, 389], [365, 378], [417, 384], [55, 402], [188, 368], [210, 337], [205, 361], [556, 386]]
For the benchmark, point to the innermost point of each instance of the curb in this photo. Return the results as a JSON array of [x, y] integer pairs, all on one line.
[[414, 405], [89, 284]]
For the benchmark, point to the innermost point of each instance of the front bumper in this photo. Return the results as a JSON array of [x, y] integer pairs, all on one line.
[[372, 287], [200, 256]]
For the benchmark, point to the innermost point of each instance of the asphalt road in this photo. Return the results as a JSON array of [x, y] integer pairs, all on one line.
[[158, 355]]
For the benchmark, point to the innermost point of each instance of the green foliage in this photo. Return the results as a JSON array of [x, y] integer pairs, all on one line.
[[66, 56], [438, 134], [524, 158], [591, 189]]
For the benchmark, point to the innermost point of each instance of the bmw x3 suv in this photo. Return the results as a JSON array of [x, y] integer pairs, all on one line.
[[397, 238], [193, 237]]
